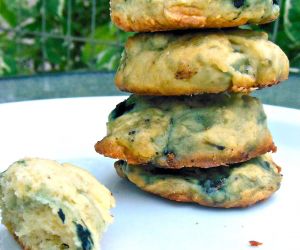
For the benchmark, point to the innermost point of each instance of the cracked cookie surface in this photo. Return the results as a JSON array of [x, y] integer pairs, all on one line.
[[238, 185], [187, 131], [185, 63], [158, 15]]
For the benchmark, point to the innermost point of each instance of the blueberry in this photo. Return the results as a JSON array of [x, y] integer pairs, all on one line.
[[167, 152], [85, 237], [219, 147], [238, 3], [122, 108], [61, 215], [132, 132]]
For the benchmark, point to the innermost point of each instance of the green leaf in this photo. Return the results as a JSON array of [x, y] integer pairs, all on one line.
[[4, 68], [55, 7], [56, 51], [295, 62], [106, 54], [7, 14], [108, 59], [291, 20], [106, 33]]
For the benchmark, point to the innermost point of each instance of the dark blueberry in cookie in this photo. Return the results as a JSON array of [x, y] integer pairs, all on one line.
[[122, 108], [61, 215], [239, 3], [85, 237]]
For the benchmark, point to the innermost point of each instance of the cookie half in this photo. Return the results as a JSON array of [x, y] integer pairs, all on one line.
[[187, 131], [158, 15], [46, 205], [238, 185], [185, 63]]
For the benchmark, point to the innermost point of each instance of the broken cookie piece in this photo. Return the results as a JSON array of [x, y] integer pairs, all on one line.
[[47, 205]]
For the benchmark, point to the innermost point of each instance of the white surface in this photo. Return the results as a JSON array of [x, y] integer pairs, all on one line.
[[67, 129]]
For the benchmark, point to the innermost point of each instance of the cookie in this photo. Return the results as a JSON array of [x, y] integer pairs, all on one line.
[[158, 15], [187, 131], [185, 63], [238, 185], [46, 205]]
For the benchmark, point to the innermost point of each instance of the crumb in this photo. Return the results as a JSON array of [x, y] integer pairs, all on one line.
[[196, 223], [255, 243], [278, 169]]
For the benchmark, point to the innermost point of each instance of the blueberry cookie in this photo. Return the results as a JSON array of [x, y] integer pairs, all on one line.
[[46, 205], [238, 185], [187, 131], [185, 63], [158, 15]]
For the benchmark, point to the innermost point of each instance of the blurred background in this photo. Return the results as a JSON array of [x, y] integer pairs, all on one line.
[[56, 36], [39, 37]]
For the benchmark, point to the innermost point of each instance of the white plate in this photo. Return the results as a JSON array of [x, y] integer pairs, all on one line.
[[67, 129]]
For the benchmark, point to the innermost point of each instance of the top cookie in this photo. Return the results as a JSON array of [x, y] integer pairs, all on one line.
[[158, 15]]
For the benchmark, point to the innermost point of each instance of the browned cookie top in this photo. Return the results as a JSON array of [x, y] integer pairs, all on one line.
[[157, 15]]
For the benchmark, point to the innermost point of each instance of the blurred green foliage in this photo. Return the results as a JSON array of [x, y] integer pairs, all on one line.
[[24, 51], [287, 36]]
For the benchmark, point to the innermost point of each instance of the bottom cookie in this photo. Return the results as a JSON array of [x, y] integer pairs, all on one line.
[[238, 185]]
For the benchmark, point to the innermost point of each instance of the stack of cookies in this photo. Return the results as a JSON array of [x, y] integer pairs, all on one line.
[[191, 132]]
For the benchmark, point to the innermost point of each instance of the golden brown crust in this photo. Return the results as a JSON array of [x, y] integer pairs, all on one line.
[[207, 161], [19, 242], [261, 85], [179, 24], [17, 239], [172, 15], [112, 149], [158, 92], [247, 201]]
